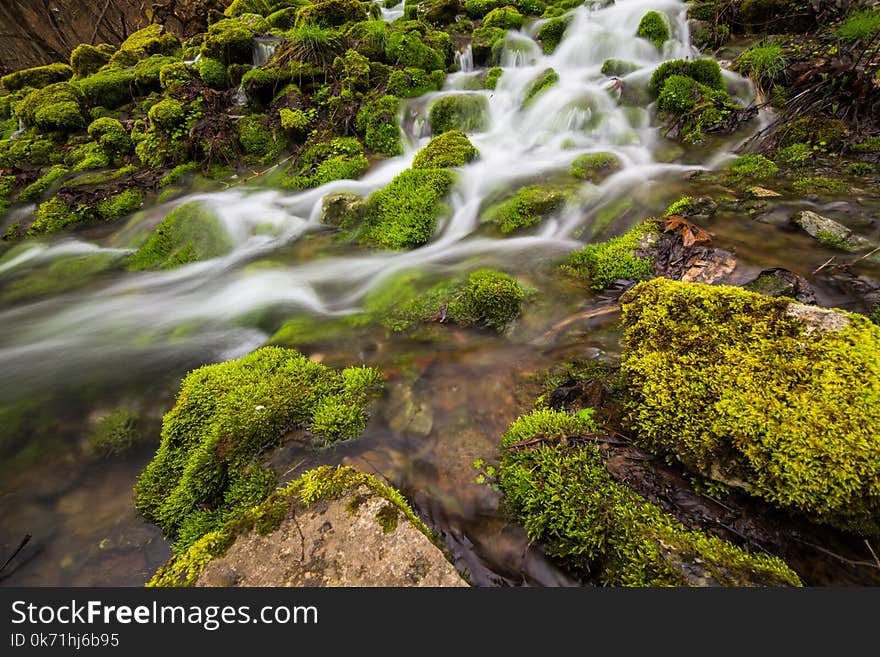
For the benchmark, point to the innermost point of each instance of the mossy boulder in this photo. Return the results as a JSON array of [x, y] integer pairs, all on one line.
[[231, 40], [546, 79], [595, 167], [654, 27], [484, 42], [467, 112], [37, 189], [239, 7], [705, 71], [206, 470], [323, 161], [507, 18], [550, 34], [821, 133], [333, 12], [765, 394], [413, 82], [432, 51], [151, 40], [54, 108], [618, 67], [752, 166], [377, 122], [451, 149], [343, 210], [147, 72], [404, 213], [109, 88], [557, 485], [213, 73], [528, 206], [37, 77], [188, 234], [111, 136], [620, 258]]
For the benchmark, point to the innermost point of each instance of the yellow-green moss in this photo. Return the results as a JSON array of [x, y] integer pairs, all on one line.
[[108, 88], [325, 161], [595, 167], [544, 81], [37, 77], [563, 494], [451, 149], [737, 387], [615, 259], [114, 434], [87, 59], [56, 107], [377, 122], [527, 206], [37, 189], [466, 112], [654, 27], [550, 34]]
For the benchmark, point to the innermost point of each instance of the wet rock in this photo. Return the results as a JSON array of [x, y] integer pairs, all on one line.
[[344, 210], [406, 414], [829, 232], [760, 192], [697, 263], [816, 319], [778, 282]]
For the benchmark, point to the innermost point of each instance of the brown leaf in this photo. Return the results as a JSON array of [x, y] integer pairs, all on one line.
[[689, 232]]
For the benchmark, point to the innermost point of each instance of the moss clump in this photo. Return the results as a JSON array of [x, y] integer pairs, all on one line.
[[37, 189], [324, 161], [492, 76], [693, 108], [332, 12], [147, 72], [293, 120], [403, 214], [488, 298], [484, 44], [745, 388], [325, 483], [704, 71], [167, 115], [109, 88], [654, 27], [152, 40], [550, 34], [617, 67], [259, 141], [60, 276], [819, 185], [544, 81], [595, 167], [119, 205], [239, 7], [111, 136], [465, 112], [752, 167], [377, 122], [451, 149], [188, 234], [615, 259], [174, 76], [528, 206], [566, 499], [343, 210], [87, 60], [54, 108], [230, 40], [53, 215], [824, 134], [507, 18], [37, 77], [411, 49], [414, 82], [205, 469], [113, 434], [352, 70]]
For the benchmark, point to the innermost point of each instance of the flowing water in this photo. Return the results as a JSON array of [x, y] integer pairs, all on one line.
[[124, 339]]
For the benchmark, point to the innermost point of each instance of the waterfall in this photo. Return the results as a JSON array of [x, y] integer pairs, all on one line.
[[464, 59]]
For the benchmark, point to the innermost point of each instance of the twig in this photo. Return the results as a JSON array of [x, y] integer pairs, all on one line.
[[851, 562], [24, 541], [873, 554], [824, 264], [867, 255], [99, 21], [589, 314]]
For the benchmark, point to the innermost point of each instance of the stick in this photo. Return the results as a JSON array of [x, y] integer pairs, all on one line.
[[851, 562], [823, 265], [873, 554], [589, 314], [24, 541], [100, 20], [867, 255]]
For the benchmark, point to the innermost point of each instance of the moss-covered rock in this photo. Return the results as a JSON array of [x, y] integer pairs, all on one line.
[[111, 136], [333, 12], [214, 73], [231, 40], [654, 27], [777, 398], [174, 76], [451, 149], [151, 40], [343, 210], [550, 34], [205, 470], [466, 112], [560, 489], [821, 133], [147, 72], [544, 81], [37, 189], [323, 161], [492, 76], [114, 434], [619, 258], [109, 88], [414, 82], [595, 167], [507, 18], [54, 108], [52, 215], [526, 207], [618, 67], [416, 50], [404, 213], [188, 234], [484, 42], [704, 71], [37, 77], [239, 7], [87, 60], [377, 122], [752, 166]]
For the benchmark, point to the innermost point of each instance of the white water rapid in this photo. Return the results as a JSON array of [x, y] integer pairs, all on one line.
[[128, 321]]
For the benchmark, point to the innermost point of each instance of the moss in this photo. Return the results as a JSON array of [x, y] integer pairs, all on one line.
[[862, 25], [213, 73], [567, 500], [37, 189], [752, 167], [294, 120], [322, 162], [868, 145], [332, 12], [615, 259], [343, 210], [749, 392], [783, 15], [61, 275], [52, 108], [177, 174], [204, 471], [323, 484], [283, 19], [704, 71], [263, 84], [109, 88], [259, 141], [492, 76], [33, 152], [369, 38], [120, 205], [795, 155], [413, 49], [654, 27], [87, 60], [111, 136], [113, 434], [231, 40], [507, 18], [618, 67], [693, 108], [451, 149], [404, 213], [550, 34], [465, 112], [859, 169], [239, 7], [875, 315], [819, 185], [38, 77], [825, 134], [167, 115], [152, 40], [352, 70], [377, 122], [188, 234], [88, 156], [544, 81], [147, 72], [595, 167], [528, 206], [414, 82], [388, 517], [484, 42], [765, 63]]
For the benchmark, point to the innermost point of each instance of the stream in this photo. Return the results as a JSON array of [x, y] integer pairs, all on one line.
[[124, 339]]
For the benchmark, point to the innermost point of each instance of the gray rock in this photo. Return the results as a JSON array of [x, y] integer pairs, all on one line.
[[830, 232], [816, 319], [343, 210]]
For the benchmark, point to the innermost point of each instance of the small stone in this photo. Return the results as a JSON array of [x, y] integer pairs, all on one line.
[[760, 192]]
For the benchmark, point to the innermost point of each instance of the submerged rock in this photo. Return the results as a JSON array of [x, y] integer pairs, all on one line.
[[330, 527], [829, 232], [777, 282]]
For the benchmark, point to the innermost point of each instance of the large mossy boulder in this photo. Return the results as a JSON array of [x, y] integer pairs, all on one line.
[[527, 206], [37, 77], [557, 484], [451, 149], [774, 397], [54, 108], [206, 468], [468, 112], [345, 518]]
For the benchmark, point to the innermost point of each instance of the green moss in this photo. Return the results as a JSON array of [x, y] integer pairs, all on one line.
[[704, 71], [230, 40], [113, 434], [369, 38], [414, 82], [484, 42], [492, 76], [752, 167], [615, 259], [489, 298], [765, 63], [377, 122], [205, 470], [566, 499], [507, 18], [859, 169], [239, 7], [544, 81], [147, 72], [152, 40], [875, 315], [188, 234], [691, 107], [678, 96], [618, 67], [51, 216], [868, 145], [37, 189], [332, 12], [826, 134], [352, 70], [323, 484], [293, 120], [120, 205], [528, 206], [64, 274], [414, 49], [87, 60], [654, 27], [109, 88], [735, 385], [258, 140], [819, 185], [88, 156], [322, 162], [862, 25], [167, 115], [465, 112], [343, 210], [795, 155], [451, 149], [111, 136], [550, 34], [177, 174], [595, 167], [404, 213], [55, 107], [38, 77]]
